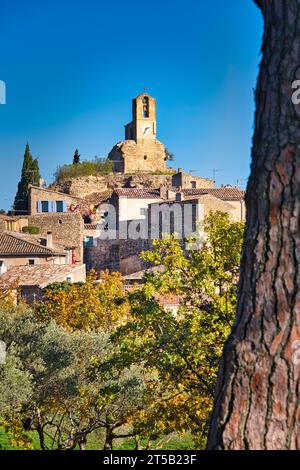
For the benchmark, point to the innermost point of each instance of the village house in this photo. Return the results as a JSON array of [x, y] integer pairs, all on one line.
[[28, 282], [18, 249], [185, 213]]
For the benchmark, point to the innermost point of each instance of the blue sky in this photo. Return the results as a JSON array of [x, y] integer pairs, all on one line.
[[72, 67]]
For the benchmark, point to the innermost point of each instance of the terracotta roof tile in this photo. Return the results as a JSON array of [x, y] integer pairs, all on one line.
[[98, 197], [17, 244], [134, 193], [226, 194], [39, 275]]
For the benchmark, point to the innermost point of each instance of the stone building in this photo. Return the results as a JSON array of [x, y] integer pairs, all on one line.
[[140, 151], [13, 223], [234, 196], [49, 201], [18, 249], [184, 215], [29, 281], [116, 244], [67, 230], [185, 180]]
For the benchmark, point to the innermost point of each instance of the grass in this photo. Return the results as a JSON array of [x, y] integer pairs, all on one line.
[[95, 442]]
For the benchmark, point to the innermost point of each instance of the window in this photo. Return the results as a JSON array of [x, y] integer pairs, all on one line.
[[114, 253], [69, 279], [31, 262], [45, 206], [172, 223], [145, 157], [59, 206], [89, 242], [193, 184], [145, 107], [143, 211]]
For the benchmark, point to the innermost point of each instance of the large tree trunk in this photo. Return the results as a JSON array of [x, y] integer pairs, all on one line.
[[257, 403]]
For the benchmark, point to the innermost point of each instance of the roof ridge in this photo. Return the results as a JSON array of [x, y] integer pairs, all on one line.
[[31, 243]]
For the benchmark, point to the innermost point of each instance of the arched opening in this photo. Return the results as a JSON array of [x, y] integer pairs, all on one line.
[[145, 107]]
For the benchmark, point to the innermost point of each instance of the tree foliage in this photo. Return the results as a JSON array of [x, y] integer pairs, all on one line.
[[76, 158], [93, 358], [97, 166], [86, 306], [30, 175], [184, 349], [49, 388]]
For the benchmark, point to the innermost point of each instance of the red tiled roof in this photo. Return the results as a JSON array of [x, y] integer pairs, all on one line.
[[49, 190], [226, 194], [17, 245], [98, 197], [140, 274], [134, 193], [92, 226], [39, 275]]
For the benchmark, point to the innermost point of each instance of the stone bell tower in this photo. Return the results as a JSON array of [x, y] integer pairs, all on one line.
[[140, 151], [143, 125]]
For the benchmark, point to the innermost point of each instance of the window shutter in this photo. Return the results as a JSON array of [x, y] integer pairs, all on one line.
[[65, 207], [38, 207], [51, 205]]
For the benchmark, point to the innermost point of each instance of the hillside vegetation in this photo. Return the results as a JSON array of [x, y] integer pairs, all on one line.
[[95, 167]]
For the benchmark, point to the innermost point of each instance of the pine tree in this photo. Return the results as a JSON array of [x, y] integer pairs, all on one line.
[[76, 158], [30, 175], [257, 396]]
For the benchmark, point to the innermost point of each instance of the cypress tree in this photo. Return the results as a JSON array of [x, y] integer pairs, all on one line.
[[76, 158], [30, 175]]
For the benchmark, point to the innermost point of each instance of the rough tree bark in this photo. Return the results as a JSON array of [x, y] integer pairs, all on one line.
[[257, 404]]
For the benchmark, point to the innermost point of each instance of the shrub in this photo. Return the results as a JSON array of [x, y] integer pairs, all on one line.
[[32, 230], [98, 166]]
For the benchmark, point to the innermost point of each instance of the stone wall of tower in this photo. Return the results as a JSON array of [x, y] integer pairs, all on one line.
[[139, 156], [139, 120]]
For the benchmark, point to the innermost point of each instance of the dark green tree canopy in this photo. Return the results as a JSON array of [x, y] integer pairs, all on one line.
[[30, 175], [76, 158]]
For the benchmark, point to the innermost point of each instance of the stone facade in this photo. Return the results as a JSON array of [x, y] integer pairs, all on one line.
[[116, 255], [188, 181], [140, 151], [102, 254], [65, 201], [67, 230], [16, 223], [183, 216], [139, 156], [84, 186]]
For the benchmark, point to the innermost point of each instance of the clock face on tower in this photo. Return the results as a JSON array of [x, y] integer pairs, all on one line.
[[146, 129]]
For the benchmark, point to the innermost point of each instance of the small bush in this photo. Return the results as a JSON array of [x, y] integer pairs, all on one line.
[[31, 230], [98, 166]]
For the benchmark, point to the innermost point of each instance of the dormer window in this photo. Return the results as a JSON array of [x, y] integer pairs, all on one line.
[[145, 107]]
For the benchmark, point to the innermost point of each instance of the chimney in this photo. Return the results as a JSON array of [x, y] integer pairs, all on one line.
[[3, 267], [171, 194], [163, 192], [179, 197], [49, 241]]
